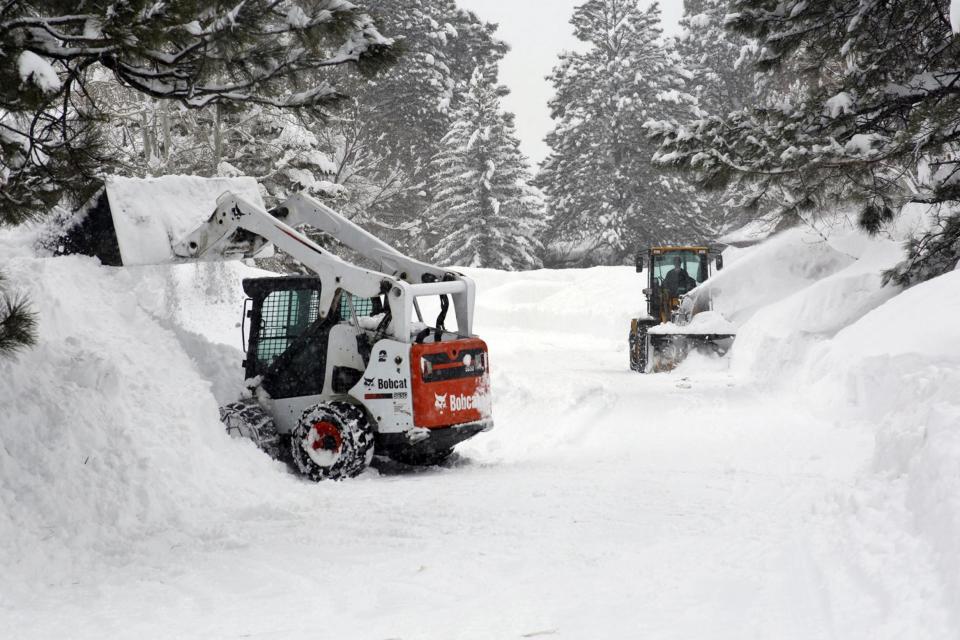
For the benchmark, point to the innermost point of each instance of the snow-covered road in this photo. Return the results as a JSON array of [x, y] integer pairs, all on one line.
[[615, 507], [604, 505]]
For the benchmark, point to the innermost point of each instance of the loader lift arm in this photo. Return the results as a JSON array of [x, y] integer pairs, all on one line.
[[240, 229], [300, 209]]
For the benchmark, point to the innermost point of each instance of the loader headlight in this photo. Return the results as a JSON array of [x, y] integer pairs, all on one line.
[[426, 367]]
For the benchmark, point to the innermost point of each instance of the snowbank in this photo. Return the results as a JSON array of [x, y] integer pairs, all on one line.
[[772, 271], [898, 368], [110, 434], [823, 326], [599, 302], [844, 285]]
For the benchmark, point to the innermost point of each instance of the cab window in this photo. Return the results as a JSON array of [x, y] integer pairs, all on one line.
[[285, 315], [692, 262]]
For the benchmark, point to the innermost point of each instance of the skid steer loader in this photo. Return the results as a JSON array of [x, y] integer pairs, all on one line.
[[341, 364], [675, 300]]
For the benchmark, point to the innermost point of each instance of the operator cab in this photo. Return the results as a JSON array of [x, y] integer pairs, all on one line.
[[679, 271], [287, 338], [674, 272]]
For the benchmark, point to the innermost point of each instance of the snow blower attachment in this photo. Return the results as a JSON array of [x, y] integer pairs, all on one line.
[[679, 316], [341, 364]]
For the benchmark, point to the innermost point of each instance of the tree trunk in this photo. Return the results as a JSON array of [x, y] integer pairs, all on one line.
[[145, 128], [165, 123], [217, 139]]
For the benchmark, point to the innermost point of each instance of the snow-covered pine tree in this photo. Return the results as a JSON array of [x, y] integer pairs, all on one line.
[[873, 116], [385, 144], [199, 54], [720, 81], [415, 110], [284, 149], [605, 196], [713, 56], [18, 323], [484, 212], [377, 149], [370, 154]]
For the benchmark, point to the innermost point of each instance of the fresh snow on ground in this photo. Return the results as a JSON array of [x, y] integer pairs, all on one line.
[[805, 487]]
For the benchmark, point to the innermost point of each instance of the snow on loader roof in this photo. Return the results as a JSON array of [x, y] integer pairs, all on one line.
[[151, 214]]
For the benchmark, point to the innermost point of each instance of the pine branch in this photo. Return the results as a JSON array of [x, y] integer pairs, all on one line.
[[18, 323]]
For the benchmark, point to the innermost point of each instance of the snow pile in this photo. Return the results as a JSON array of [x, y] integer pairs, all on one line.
[[802, 287], [869, 355], [110, 437], [898, 368], [598, 302], [151, 214], [772, 271], [844, 283]]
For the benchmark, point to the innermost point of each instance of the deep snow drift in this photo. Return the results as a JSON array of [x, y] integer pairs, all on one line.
[[869, 356], [804, 487]]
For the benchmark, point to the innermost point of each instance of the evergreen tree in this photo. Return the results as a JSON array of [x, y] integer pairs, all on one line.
[[18, 324], [198, 54], [717, 59], [411, 101], [605, 197], [719, 80], [279, 148], [484, 213], [383, 148], [370, 155], [150, 137], [256, 52], [872, 115], [373, 154]]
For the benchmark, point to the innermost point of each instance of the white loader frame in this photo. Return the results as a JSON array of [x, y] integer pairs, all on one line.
[[402, 279]]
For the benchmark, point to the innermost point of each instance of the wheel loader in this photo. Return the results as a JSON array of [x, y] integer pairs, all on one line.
[[675, 297], [342, 364]]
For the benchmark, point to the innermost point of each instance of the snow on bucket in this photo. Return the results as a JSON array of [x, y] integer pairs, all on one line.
[[147, 216]]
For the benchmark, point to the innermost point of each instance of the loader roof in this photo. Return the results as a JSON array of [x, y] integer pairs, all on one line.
[[666, 248]]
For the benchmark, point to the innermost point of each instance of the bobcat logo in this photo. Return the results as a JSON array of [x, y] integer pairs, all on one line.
[[368, 382], [441, 401]]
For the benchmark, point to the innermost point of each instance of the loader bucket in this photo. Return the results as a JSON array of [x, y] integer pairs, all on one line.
[[669, 350], [147, 216]]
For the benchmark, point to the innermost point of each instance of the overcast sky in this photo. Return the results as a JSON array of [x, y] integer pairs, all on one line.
[[537, 30]]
